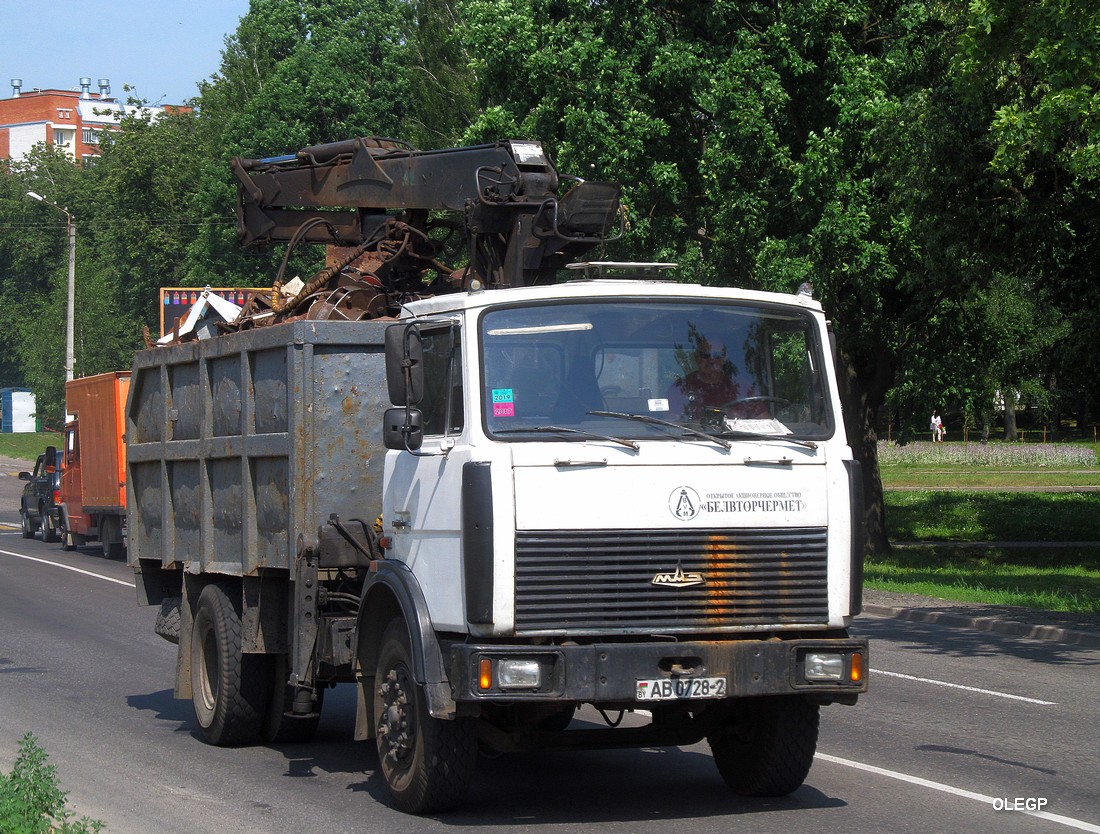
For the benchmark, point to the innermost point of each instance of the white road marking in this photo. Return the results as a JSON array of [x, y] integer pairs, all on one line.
[[967, 688], [937, 786], [68, 567]]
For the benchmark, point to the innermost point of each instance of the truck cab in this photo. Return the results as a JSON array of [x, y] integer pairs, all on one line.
[[614, 466], [633, 494]]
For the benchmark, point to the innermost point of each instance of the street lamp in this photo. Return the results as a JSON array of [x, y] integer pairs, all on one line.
[[70, 357]]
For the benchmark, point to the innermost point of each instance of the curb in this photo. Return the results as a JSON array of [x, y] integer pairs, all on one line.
[[994, 625]]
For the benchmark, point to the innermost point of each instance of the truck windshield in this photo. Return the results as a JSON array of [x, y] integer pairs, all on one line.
[[726, 369]]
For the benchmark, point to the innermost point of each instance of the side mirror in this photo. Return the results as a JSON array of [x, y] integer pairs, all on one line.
[[404, 364], [402, 429], [24, 476]]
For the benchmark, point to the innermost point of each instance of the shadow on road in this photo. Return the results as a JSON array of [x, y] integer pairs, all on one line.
[[939, 640]]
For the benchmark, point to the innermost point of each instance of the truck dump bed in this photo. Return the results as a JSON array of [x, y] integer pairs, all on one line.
[[238, 444]]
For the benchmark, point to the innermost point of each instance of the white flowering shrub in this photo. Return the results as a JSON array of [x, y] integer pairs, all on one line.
[[923, 453]]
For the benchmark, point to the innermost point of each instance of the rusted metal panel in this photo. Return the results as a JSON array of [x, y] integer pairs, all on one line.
[[238, 445]]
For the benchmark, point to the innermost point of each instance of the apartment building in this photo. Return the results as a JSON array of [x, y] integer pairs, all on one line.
[[71, 120]]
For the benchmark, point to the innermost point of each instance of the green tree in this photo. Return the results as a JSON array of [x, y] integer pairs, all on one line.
[[441, 103], [34, 272], [148, 215], [305, 72], [1033, 67], [766, 145]]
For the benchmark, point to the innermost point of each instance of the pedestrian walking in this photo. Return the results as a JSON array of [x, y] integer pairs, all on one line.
[[936, 424]]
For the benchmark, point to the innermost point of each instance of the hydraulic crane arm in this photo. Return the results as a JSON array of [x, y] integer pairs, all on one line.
[[394, 202]]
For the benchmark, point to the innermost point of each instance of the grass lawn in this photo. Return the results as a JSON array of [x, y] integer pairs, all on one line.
[[993, 516], [1053, 579], [983, 496], [28, 445]]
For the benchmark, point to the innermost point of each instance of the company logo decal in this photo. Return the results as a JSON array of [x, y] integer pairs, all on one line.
[[678, 579], [684, 503]]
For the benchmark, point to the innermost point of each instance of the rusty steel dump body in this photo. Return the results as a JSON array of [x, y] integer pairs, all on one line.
[[239, 445]]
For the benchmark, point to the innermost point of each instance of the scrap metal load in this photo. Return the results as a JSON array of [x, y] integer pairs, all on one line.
[[402, 224]]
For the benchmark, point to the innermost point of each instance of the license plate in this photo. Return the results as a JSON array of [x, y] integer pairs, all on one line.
[[680, 689]]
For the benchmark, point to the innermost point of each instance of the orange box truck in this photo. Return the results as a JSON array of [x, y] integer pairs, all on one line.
[[93, 473]]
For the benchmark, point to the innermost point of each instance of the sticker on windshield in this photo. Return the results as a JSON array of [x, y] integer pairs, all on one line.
[[756, 426], [503, 403], [658, 404]]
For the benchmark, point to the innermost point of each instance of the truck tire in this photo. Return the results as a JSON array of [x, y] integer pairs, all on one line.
[[169, 618], [49, 525], [27, 524], [767, 749], [280, 727], [427, 762], [228, 686], [110, 537], [68, 538]]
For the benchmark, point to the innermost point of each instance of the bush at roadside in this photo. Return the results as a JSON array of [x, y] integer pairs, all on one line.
[[31, 802]]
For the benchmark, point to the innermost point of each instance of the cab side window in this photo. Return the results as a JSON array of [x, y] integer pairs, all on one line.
[[442, 403]]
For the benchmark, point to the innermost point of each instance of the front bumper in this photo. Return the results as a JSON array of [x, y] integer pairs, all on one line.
[[607, 673]]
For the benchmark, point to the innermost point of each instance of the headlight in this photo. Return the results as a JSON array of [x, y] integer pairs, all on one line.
[[824, 666], [518, 674]]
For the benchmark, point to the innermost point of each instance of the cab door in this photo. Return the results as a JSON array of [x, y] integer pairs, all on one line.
[[422, 507]]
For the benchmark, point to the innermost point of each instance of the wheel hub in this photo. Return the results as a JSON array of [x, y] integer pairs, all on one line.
[[395, 724]]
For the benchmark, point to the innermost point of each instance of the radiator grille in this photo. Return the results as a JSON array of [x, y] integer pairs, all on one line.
[[599, 581]]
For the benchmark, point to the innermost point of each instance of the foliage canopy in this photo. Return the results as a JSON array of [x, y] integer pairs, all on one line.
[[931, 167]]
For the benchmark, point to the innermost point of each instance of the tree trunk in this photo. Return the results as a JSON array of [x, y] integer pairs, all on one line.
[[1010, 415], [862, 395]]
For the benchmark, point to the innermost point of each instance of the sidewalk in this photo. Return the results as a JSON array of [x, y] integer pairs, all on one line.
[[1074, 629]]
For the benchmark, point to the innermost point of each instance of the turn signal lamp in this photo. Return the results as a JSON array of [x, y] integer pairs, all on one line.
[[856, 673], [485, 674]]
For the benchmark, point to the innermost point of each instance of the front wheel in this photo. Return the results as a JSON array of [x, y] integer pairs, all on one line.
[[427, 762], [768, 747], [27, 525], [228, 687]]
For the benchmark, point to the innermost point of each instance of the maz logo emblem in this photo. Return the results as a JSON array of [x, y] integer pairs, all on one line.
[[679, 579]]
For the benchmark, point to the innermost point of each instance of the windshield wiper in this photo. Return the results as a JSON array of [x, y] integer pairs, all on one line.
[[756, 435], [569, 430], [657, 421]]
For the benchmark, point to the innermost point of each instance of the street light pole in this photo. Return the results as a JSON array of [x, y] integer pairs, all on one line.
[[70, 352]]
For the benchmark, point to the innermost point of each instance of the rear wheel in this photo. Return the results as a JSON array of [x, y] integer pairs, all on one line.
[[68, 538], [110, 536], [227, 686], [49, 525], [768, 748], [427, 762]]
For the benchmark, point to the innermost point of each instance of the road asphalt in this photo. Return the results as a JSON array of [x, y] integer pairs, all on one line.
[[1075, 629]]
